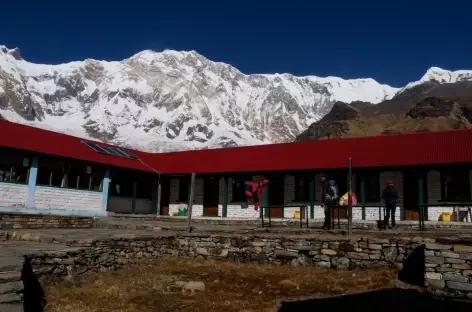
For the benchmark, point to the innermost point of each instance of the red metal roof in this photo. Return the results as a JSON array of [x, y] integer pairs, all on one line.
[[53, 143], [454, 146]]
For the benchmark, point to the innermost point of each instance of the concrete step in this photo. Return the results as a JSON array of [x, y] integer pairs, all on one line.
[[11, 308]]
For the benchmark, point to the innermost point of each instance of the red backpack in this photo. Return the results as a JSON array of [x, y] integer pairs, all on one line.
[[254, 192]]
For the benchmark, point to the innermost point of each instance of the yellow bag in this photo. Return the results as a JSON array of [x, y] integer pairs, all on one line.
[[445, 217], [344, 200]]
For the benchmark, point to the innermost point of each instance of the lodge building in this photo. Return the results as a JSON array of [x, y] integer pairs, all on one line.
[[45, 172]]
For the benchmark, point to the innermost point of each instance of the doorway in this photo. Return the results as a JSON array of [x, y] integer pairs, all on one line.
[[211, 187], [340, 177], [410, 193], [276, 195], [164, 197]]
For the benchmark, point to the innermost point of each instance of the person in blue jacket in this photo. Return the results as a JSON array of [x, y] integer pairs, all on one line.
[[390, 196]]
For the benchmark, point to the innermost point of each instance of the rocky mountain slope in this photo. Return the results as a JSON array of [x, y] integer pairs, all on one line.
[[170, 100], [441, 100]]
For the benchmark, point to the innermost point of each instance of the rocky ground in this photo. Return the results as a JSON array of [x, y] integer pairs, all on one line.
[[199, 285]]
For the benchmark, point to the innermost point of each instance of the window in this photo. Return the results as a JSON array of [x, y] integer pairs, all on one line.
[[121, 184], [183, 189], [70, 173], [341, 180], [145, 181], [239, 189], [372, 186], [14, 165], [126, 182], [302, 188], [455, 185]]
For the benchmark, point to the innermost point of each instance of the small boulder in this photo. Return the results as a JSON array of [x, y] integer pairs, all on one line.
[[190, 287], [288, 284]]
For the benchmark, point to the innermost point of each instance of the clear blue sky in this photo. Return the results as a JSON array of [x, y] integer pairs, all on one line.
[[393, 42]]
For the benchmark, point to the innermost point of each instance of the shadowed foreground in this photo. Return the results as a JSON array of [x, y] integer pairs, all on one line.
[[385, 300], [228, 287]]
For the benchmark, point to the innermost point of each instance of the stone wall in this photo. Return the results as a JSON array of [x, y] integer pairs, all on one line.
[[13, 195], [335, 252], [36, 221], [67, 199], [449, 269]]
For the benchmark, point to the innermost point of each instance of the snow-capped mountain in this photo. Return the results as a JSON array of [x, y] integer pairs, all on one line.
[[171, 100], [440, 75]]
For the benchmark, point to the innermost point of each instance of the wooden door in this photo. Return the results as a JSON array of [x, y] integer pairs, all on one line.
[[340, 213], [276, 195], [165, 196], [210, 196], [410, 194]]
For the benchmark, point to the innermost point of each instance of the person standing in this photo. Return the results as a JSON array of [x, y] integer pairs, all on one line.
[[390, 196], [326, 200]]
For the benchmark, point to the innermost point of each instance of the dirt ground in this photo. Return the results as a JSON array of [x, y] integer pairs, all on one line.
[[228, 286]]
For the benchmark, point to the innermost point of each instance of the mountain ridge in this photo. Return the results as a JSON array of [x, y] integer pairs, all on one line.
[[172, 100]]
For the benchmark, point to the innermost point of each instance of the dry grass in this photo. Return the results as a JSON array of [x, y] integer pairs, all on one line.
[[229, 287]]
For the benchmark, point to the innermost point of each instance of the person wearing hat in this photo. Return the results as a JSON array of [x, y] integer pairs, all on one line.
[[390, 196]]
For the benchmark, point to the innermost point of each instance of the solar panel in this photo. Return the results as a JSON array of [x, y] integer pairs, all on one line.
[[95, 147], [112, 151], [128, 154], [121, 153]]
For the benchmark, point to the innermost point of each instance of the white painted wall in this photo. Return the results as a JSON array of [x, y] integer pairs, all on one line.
[[236, 209], [64, 199], [434, 195], [242, 210], [13, 195], [174, 203]]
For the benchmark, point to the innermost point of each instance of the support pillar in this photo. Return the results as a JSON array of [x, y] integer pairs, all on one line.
[[266, 199], [33, 175], [312, 197], [225, 198], [105, 190], [133, 201], [363, 195], [159, 198]]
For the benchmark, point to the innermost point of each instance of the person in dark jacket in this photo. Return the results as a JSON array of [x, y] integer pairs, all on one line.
[[390, 196], [326, 201]]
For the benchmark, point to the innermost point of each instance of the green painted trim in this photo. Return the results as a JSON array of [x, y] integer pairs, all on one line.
[[363, 195], [133, 201], [225, 198], [189, 190], [312, 197]]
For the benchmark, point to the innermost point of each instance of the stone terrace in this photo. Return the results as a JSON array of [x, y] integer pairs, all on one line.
[[116, 243]]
